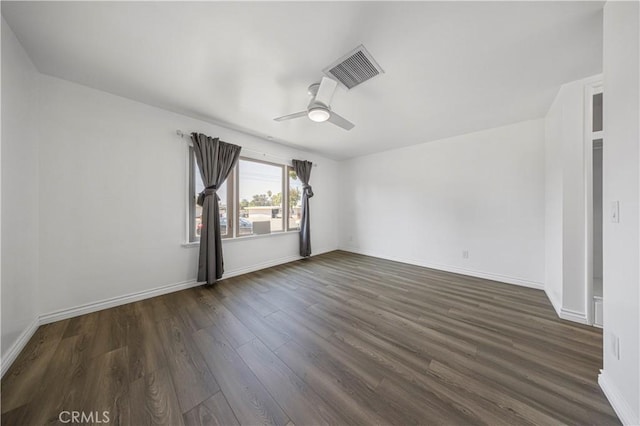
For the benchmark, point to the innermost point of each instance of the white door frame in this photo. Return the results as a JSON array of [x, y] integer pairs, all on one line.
[[592, 87]]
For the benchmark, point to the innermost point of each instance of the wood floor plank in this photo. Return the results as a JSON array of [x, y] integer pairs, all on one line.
[[160, 307], [21, 382], [186, 305], [521, 330], [253, 300], [215, 411], [338, 338], [412, 371], [233, 330], [342, 395], [299, 401], [427, 410], [68, 370], [341, 360], [113, 329], [193, 381], [319, 326], [394, 332], [21, 415], [553, 390], [85, 324], [145, 349], [285, 300], [153, 400], [249, 400], [107, 386], [264, 328], [502, 398], [415, 328]]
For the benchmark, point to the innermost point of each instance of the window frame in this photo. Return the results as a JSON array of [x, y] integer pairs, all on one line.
[[192, 197], [233, 200], [283, 168]]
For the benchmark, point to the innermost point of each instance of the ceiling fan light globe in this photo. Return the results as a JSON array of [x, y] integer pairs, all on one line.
[[318, 114]]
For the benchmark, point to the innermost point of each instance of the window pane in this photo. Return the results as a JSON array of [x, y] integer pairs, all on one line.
[[295, 200], [597, 113], [222, 193], [260, 198], [199, 187]]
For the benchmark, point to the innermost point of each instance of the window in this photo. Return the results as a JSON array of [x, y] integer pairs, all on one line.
[[195, 211], [294, 201], [257, 198], [260, 201]]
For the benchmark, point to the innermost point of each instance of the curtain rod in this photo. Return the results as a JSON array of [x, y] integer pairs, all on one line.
[[184, 135]]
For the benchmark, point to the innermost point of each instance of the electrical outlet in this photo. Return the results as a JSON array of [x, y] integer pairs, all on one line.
[[465, 254]]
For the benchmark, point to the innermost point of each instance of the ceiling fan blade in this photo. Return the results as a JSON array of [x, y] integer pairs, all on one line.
[[340, 121], [325, 91], [292, 116]]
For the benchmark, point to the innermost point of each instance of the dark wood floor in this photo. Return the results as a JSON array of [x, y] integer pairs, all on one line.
[[336, 339]]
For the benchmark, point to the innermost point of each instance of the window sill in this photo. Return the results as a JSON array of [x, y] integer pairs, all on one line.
[[247, 238]]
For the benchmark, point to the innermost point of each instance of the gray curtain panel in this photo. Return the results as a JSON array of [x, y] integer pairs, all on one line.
[[215, 160], [303, 170]]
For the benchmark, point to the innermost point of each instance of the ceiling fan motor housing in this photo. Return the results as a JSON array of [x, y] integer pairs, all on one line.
[[313, 89]]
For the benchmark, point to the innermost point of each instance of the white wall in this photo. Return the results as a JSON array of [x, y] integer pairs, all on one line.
[[112, 214], [565, 201], [620, 378], [19, 194], [574, 202], [482, 192], [553, 204]]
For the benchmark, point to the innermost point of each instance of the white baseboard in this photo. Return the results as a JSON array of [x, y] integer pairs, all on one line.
[[620, 405], [564, 313], [575, 316], [18, 346], [454, 269]]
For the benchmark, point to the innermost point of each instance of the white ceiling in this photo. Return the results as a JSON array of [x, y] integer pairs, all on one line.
[[450, 67]]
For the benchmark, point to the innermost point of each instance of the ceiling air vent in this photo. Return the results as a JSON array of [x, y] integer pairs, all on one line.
[[354, 68]]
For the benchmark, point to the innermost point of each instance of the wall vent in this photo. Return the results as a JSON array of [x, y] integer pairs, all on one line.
[[354, 68]]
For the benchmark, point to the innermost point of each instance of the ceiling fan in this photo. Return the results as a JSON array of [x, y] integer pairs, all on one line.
[[319, 109]]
